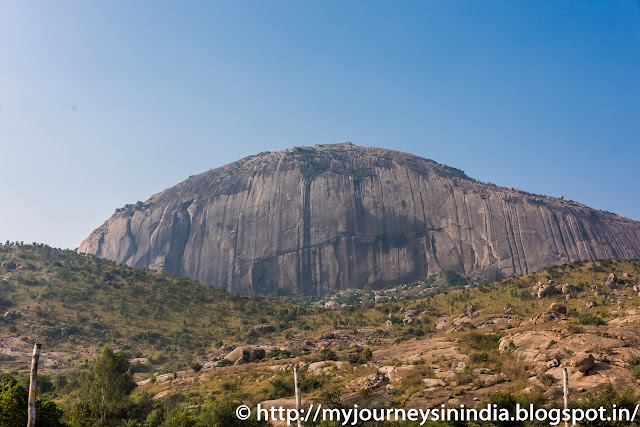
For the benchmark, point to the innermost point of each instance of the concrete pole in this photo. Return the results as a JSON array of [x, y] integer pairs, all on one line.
[[296, 382], [565, 386], [31, 421]]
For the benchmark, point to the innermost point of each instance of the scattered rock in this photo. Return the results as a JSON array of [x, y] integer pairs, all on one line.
[[611, 281], [433, 382], [332, 305], [165, 378], [592, 304], [317, 368], [548, 316], [583, 362], [264, 328], [441, 323], [371, 382], [409, 316], [558, 308], [544, 290]]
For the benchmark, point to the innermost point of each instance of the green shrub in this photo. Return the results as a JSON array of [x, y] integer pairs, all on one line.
[[547, 379], [590, 319], [634, 365], [482, 356], [328, 354], [484, 342]]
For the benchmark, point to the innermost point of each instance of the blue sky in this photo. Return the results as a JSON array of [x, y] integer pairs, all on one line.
[[104, 103]]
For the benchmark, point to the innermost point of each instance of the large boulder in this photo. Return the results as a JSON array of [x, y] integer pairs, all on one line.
[[583, 362], [612, 281], [558, 308], [236, 354]]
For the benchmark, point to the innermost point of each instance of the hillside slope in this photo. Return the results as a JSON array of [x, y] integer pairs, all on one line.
[[341, 216], [75, 304], [457, 346]]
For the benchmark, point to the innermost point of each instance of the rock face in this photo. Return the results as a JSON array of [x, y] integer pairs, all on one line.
[[583, 362], [318, 219]]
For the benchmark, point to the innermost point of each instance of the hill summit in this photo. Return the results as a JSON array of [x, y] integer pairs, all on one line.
[[317, 219]]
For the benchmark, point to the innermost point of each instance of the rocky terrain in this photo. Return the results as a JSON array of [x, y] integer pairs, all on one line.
[[190, 344], [325, 218], [468, 359]]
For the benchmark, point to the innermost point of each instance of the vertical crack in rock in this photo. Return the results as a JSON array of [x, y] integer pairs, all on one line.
[[338, 216]]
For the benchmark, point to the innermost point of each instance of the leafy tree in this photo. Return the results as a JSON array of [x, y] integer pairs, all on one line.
[[107, 384], [607, 398], [13, 406], [223, 413], [452, 278]]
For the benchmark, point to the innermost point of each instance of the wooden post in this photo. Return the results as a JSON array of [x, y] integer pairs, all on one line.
[[565, 386], [296, 382], [31, 422]]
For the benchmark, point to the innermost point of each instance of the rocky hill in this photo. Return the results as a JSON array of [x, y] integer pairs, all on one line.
[[193, 346], [341, 216]]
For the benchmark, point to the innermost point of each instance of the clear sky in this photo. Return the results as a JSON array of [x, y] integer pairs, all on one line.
[[104, 103]]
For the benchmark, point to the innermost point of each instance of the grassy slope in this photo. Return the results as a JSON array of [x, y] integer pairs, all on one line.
[[69, 301], [78, 303]]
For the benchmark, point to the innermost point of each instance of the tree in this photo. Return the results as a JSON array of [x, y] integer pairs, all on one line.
[[13, 407], [107, 384]]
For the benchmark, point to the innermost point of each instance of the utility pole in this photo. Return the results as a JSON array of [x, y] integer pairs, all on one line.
[[296, 382], [31, 421], [565, 386]]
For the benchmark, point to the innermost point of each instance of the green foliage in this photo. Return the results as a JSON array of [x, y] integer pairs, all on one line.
[[547, 379], [276, 352], [361, 355], [590, 319], [366, 354], [482, 356], [13, 406], [282, 387], [452, 278], [606, 399], [328, 354], [107, 384], [483, 342], [146, 312], [222, 414], [634, 365]]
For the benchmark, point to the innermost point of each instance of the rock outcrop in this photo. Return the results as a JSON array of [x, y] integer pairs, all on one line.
[[314, 220]]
